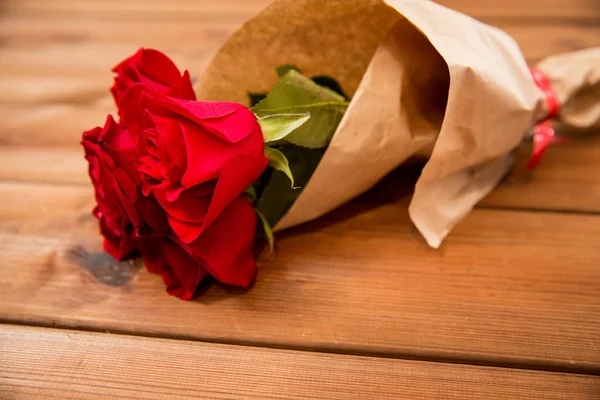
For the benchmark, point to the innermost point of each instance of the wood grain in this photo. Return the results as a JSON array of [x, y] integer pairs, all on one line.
[[527, 10], [57, 54], [136, 9], [182, 9], [48, 363], [508, 288], [516, 288], [43, 165], [564, 181], [52, 125], [34, 207]]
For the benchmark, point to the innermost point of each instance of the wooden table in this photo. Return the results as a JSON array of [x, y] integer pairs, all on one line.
[[354, 305]]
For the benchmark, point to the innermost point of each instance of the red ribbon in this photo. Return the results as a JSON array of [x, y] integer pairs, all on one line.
[[543, 133]]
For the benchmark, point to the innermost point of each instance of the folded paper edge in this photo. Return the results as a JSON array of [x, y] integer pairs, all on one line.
[[479, 183]]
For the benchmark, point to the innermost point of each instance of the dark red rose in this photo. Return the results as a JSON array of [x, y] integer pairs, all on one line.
[[180, 272], [123, 212], [197, 158], [154, 70]]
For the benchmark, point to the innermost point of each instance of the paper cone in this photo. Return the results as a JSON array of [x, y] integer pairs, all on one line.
[[421, 76]]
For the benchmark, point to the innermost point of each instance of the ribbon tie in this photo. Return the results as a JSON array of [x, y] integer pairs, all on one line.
[[543, 133]]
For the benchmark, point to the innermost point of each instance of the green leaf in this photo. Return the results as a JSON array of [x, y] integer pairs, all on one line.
[[295, 94], [278, 161], [277, 196], [283, 69], [277, 126], [268, 231]]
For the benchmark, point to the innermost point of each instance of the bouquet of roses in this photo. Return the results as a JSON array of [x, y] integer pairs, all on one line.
[[176, 179], [306, 106]]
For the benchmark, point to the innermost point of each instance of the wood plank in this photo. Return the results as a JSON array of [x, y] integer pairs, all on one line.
[[45, 165], [40, 45], [181, 9], [527, 10], [53, 125], [538, 41], [50, 363], [134, 9], [564, 181], [112, 40], [65, 46], [517, 288], [34, 207]]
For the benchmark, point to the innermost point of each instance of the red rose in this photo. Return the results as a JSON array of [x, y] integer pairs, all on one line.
[[123, 212], [154, 70], [169, 178], [197, 158]]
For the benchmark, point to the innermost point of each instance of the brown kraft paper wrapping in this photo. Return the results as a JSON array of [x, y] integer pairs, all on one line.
[[422, 78], [575, 78]]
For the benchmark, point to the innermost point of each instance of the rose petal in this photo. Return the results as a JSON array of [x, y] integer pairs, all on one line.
[[122, 212], [156, 66], [155, 70], [152, 215], [92, 135], [207, 155], [190, 216], [237, 175], [128, 195], [183, 89], [229, 121], [131, 110], [226, 246], [187, 209], [185, 231], [170, 145], [116, 137], [120, 247], [180, 272]]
